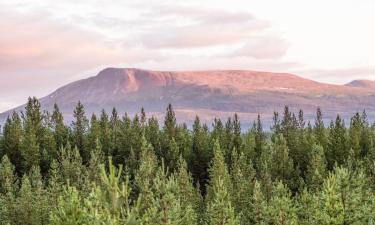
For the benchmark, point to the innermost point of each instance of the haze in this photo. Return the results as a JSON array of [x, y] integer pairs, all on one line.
[[45, 44]]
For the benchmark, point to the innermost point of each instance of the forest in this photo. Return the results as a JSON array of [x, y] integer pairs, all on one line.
[[116, 169]]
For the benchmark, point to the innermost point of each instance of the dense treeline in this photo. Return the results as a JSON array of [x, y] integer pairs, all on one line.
[[113, 169]]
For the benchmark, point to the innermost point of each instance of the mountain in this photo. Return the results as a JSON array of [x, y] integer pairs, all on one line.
[[362, 83], [209, 94]]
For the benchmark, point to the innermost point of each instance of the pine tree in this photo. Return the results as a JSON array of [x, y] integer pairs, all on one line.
[[319, 130], [60, 130], [282, 209], [114, 125], [265, 171], [124, 146], [366, 141], [201, 155], [237, 139], [30, 148], [96, 160], [70, 210], [13, 135], [8, 187], [26, 208], [33, 118], [331, 208], [282, 164], [55, 183], [48, 144], [144, 179], [71, 167], [93, 136], [189, 196], [259, 137], [258, 208], [316, 169], [166, 207], [307, 207], [79, 126], [338, 148], [105, 134], [153, 135], [171, 158], [170, 123], [218, 199], [355, 132], [242, 175]]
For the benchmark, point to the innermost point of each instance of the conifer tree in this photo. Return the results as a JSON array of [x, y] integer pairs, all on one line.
[[33, 118], [218, 200], [152, 134], [13, 135], [144, 178], [218, 170], [26, 208], [171, 158], [8, 187], [30, 148], [93, 136], [242, 176], [70, 210], [282, 164], [237, 139], [316, 169], [79, 126], [307, 208], [259, 137], [319, 129], [258, 207], [54, 184], [105, 134], [125, 141], [331, 208], [188, 194], [60, 130], [114, 125], [282, 209], [96, 160], [170, 123], [338, 148], [201, 155], [71, 167]]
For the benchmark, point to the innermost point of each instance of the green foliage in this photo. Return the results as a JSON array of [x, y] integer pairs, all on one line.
[[80, 126], [297, 173]]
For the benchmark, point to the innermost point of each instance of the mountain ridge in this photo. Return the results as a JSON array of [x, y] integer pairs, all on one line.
[[211, 93]]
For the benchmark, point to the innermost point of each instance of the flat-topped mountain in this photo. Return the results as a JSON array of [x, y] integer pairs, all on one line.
[[217, 93]]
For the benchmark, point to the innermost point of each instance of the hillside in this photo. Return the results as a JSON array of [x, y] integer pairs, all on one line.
[[207, 93]]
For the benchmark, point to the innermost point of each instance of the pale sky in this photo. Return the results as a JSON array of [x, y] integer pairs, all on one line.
[[45, 44]]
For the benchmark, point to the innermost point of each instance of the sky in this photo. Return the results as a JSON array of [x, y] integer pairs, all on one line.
[[45, 44]]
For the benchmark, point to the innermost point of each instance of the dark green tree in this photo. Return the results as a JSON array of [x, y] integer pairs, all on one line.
[[80, 127]]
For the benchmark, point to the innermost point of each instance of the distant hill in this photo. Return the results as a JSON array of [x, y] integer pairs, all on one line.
[[217, 93], [362, 84]]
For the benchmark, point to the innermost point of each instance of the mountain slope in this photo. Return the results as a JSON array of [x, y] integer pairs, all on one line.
[[362, 84], [207, 93]]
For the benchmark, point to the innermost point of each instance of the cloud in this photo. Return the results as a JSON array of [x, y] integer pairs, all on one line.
[[198, 27], [29, 41], [262, 47], [44, 44]]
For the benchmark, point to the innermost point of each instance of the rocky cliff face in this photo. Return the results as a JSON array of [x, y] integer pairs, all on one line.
[[209, 94]]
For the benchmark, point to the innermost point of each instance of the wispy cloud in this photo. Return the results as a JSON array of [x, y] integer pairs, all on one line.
[[44, 44]]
